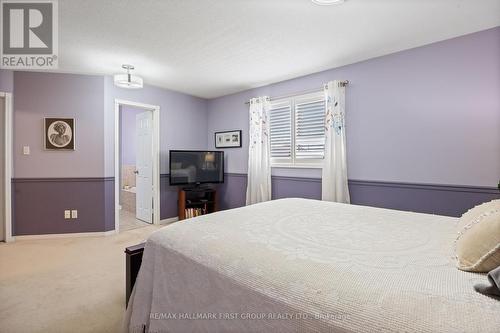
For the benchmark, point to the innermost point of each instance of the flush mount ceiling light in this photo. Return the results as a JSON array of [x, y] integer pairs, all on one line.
[[327, 2], [128, 80]]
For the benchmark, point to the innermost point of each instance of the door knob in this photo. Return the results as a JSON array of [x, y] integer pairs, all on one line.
[[136, 172]]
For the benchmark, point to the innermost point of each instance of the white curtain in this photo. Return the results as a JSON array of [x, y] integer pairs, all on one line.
[[259, 165], [334, 178]]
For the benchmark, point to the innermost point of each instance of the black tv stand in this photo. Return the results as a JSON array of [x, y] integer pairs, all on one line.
[[196, 201], [197, 187]]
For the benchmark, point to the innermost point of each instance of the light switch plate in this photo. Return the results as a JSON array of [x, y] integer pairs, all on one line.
[[67, 214], [26, 150], [74, 214]]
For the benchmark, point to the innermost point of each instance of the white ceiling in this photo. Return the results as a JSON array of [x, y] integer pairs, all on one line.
[[210, 48]]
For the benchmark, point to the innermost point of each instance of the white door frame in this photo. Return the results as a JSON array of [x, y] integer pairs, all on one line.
[[8, 165], [156, 158]]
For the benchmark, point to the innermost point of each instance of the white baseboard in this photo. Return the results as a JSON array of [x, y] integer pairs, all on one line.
[[169, 220], [68, 235], [82, 234]]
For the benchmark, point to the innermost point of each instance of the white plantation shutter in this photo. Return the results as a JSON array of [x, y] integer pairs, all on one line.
[[281, 130], [297, 130], [310, 129]]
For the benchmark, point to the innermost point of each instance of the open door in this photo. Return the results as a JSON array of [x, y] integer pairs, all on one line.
[[144, 166]]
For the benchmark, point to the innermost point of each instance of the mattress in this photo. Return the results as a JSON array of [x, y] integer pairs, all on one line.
[[297, 265]]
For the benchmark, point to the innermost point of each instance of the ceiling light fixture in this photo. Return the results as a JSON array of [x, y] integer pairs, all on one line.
[[128, 80], [327, 2]]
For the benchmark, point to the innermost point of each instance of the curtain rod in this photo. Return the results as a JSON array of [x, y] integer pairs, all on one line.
[[343, 84]]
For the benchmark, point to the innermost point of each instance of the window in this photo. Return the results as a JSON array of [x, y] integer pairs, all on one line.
[[297, 131]]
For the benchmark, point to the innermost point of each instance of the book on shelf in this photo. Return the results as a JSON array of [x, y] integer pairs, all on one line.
[[193, 212]]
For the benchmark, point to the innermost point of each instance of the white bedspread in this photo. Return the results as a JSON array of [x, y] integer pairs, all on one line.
[[296, 265]]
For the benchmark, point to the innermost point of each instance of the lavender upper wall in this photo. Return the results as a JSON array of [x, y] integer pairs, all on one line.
[[39, 95], [128, 134], [6, 80], [90, 100], [183, 120], [425, 115]]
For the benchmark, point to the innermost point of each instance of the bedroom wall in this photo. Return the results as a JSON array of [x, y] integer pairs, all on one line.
[[183, 125], [429, 115], [6, 80], [46, 183]]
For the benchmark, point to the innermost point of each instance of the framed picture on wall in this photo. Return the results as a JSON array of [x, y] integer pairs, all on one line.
[[228, 139], [59, 133]]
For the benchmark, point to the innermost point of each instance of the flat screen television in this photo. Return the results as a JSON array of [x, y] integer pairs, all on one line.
[[194, 167]]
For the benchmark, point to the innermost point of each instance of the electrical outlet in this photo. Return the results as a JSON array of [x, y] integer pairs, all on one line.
[[74, 214], [67, 214]]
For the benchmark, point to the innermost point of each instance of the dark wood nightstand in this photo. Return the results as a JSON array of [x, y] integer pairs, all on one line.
[[133, 260]]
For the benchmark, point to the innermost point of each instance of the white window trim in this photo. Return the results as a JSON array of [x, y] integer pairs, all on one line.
[[291, 162]]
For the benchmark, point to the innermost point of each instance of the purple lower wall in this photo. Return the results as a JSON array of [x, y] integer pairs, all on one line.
[[422, 198], [39, 204], [168, 198], [232, 193], [109, 204]]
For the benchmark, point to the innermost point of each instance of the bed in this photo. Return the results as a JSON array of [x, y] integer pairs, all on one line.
[[297, 265]]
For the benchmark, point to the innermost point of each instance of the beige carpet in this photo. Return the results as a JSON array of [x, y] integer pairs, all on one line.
[[128, 221], [65, 285]]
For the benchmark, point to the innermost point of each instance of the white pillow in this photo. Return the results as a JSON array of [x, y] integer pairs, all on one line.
[[478, 241]]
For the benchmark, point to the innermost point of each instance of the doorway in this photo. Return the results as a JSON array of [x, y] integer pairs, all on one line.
[[5, 167], [136, 165]]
